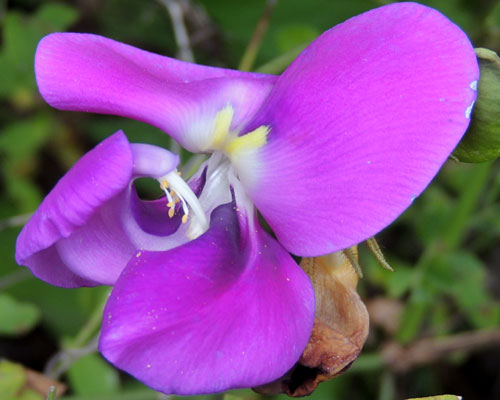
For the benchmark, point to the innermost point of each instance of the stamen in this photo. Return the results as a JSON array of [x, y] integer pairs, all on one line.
[[164, 187], [178, 191]]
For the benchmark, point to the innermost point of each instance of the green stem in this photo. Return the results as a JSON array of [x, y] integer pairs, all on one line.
[[387, 390], [90, 328], [278, 65], [52, 393], [250, 54], [456, 230]]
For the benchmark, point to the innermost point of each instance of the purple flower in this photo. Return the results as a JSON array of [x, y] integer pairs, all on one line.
[[330, 152]]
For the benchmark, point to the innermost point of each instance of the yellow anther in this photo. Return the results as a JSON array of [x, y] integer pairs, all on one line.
[[170, 204], [165, 183], [223, 121], [184, 218], [171, 212], [250, 141], [179, 173]]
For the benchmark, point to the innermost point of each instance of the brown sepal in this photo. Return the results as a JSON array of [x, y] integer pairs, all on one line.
[[339, 332]]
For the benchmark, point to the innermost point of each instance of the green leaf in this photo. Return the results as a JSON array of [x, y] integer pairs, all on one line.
[[278, 64], [91, 375], [432, 214], [21, 140], [20, 143], [21, 34], [17, 318], [53, 17], [469, 289], [291, 36], [12, 381], [413, 314], [12, 378]]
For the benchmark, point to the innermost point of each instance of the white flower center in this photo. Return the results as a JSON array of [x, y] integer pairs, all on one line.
[[228, 150], [178, 191]]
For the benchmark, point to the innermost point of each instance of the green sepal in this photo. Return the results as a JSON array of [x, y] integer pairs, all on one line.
[[482, 140]]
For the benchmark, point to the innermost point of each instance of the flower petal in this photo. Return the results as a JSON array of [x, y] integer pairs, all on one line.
[[230, 309], [96, 178], [85, 72], [48, 266], [360, 124], [90, 222]]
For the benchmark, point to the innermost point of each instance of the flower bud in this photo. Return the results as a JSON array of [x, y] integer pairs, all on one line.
[[340, 327], [482, 140]]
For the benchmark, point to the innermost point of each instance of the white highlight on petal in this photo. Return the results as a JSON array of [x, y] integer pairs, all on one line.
[[468, 111], [473, 85]]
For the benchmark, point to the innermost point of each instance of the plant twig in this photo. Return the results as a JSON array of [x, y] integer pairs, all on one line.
[[84, 343], [181, 35], [16, 220], [248, 59], [14, 277], [63, 360], [426, 351]]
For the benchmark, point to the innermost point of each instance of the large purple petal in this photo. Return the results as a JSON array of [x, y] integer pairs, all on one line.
[[230, 309], [85, 72], [360, 124], [89, 225]]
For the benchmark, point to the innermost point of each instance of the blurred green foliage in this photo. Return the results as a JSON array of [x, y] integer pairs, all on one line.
[[12, 382], [444, 248]]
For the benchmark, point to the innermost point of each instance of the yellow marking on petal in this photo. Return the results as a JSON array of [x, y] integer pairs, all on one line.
[[223, 121], [250, 141]]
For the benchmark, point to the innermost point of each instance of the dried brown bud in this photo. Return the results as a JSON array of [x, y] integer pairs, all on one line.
[[340, 327]]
